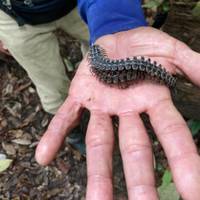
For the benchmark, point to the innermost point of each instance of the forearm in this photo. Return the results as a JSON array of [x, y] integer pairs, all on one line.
[[110, 16]]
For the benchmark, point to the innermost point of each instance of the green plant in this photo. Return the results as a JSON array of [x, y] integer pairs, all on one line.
[[196, 11], [167, 190], [155, 4], [194, 126]]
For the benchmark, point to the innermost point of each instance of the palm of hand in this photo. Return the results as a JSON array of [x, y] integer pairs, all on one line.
[[103, 102], [114, 101]]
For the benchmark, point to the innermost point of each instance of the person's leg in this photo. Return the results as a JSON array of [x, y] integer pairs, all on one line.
[[37, 51], [75, 26]]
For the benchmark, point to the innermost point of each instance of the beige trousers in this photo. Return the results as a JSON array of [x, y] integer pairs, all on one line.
[[37, 51]]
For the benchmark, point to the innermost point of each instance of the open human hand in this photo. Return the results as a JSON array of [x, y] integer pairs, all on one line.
[[152, 98]]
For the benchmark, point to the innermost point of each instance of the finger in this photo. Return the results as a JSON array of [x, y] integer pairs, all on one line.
[[188, 61], [65, 119], [137, 158], [179, 147], [99, 142]]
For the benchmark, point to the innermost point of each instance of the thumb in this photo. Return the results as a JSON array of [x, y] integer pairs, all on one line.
[[188, 61]]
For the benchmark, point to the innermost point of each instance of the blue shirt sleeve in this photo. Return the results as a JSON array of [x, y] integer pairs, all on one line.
[[110, 16]]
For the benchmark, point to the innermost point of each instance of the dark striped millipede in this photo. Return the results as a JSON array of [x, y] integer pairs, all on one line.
[[124, 72]]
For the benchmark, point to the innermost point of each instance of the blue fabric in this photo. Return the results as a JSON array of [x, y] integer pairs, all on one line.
[[110, 16]]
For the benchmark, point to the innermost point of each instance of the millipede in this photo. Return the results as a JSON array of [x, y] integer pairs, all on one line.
[[124, 72]]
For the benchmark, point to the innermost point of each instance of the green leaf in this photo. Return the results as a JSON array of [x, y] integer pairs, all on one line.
[[194, 126], [4, 164], [167, 178], [168, 192], [196, 11], [165, 7], [152, 4]]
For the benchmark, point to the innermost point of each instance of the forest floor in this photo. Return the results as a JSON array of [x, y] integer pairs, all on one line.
[[22, 123]]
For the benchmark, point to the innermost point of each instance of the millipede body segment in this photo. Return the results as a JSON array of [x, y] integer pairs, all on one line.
[[124, 72]]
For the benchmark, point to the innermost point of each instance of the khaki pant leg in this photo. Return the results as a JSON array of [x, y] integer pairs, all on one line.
[[36, 49], [75, 26]]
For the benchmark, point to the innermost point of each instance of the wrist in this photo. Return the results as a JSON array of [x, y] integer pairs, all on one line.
[[111, 16]]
